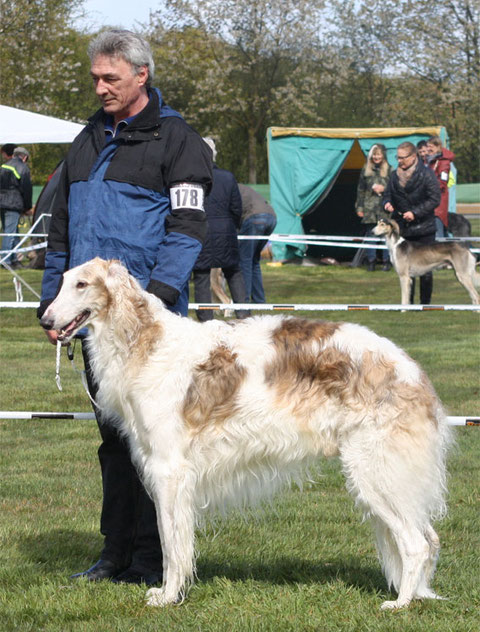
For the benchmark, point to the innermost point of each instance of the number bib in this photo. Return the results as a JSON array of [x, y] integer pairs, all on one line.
[[185, 195]]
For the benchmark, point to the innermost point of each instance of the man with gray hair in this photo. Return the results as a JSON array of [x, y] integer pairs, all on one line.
[[15, 199], [132, 188]]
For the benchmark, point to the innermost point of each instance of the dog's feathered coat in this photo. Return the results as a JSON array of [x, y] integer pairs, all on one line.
[[223, 413]]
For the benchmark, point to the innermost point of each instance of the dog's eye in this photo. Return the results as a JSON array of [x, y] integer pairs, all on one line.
[[81, 285]]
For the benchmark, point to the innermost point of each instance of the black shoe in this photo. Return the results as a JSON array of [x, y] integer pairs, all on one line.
[[371, 266], [134, 576], [387, 266], [103, 569]]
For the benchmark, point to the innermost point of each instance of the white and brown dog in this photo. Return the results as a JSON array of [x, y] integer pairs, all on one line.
[[224, 413], [411, 259]]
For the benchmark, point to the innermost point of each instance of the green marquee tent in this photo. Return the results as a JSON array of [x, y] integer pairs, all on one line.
[[314, 174]]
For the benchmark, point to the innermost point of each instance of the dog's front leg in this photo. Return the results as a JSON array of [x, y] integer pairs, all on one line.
[[173, 497], [405, 285]]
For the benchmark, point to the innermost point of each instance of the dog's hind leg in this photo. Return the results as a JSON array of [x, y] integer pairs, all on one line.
[[173, 493], [467, 276], [414, 552], [423, 590]]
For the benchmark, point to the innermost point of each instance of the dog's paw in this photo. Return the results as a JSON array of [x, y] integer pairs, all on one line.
[[156, 597], [428, 594], [394, 605]]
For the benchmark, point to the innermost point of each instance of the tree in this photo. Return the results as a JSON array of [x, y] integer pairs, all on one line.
[[427, 58], [44, 67], [236, 59]]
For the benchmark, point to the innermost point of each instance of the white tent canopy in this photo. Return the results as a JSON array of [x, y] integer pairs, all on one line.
[[22, 128]]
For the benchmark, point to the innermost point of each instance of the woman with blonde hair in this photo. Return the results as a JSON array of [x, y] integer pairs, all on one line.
[[372, 182]]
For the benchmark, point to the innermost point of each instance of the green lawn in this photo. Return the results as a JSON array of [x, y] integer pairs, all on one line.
[[306, 563]]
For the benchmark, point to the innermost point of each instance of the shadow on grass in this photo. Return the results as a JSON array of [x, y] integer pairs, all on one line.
[[73, 551], [60, 549], [294, 570]]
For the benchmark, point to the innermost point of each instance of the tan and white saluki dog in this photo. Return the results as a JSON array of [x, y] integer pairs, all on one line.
[[411, 259]]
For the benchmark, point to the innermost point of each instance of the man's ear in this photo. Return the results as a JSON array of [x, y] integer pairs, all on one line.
[[142, 75]]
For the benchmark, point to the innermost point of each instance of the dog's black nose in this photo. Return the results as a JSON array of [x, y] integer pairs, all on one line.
[[46, 323]]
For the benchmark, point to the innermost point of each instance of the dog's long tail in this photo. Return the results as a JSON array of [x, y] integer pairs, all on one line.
[[398, 478]]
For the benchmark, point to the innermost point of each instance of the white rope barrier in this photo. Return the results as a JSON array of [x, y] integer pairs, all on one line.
[[310, 237], [24, 237], [469, 420], [43, 244], [301, 307], [344, 241]]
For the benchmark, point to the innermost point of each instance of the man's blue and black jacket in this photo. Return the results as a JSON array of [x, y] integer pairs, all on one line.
[[113, 201]]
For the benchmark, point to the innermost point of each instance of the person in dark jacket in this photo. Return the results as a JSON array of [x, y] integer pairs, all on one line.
[[411, 196], [132, 188], [223, 207], [15, 199], [439, 160]]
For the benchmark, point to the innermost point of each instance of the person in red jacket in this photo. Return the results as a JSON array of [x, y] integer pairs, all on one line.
[[440, 159]]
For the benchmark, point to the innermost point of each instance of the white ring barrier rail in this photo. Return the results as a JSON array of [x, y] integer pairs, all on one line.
[[300, 307], [468, 420]]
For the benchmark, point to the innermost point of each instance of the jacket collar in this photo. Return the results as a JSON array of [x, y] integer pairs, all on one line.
[[149, 117]]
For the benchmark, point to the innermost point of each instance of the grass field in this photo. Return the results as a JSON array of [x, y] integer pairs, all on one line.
[[307, 563]]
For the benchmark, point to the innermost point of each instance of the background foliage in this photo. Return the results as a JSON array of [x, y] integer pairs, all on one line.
[[236, 67]]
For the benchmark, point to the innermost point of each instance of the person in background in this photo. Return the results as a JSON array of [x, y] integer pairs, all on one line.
[[7, 151], [15, 197], [411, 195], [258, 218], [422, 151], [223, 207], [440, 159], [132, 188], [368, 206]]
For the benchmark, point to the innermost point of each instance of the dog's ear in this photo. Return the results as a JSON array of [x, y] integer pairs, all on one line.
[[117, 276], [116, 269]]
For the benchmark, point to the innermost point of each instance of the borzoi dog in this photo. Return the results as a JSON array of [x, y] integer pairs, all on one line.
[[222, 413], [411, 259]]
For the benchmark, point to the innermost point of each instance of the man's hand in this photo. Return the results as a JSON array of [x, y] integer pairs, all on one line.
[[388, 207], [408, 216]]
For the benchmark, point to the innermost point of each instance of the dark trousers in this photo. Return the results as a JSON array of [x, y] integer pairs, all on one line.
[[250, 251], [203, 293], [128, 521], [426, 281]]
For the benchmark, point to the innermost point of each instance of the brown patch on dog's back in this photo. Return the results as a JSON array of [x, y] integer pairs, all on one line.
[[297, 331], [210, 397], [305, 373]]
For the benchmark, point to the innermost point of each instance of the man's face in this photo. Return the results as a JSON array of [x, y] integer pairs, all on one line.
[[423, 152], [406, 159], [121, 92], [431, 149]]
